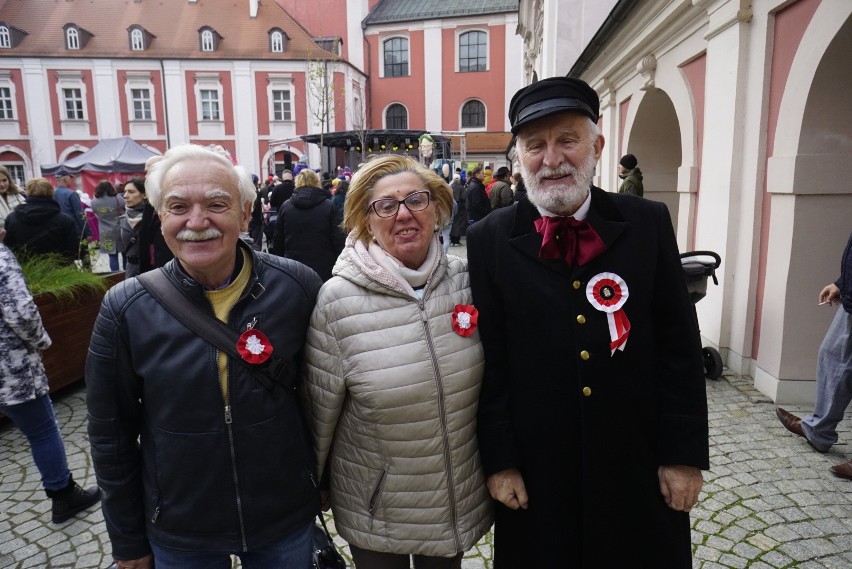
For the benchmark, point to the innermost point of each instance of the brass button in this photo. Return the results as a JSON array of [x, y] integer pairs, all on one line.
[[584, 355], [577, 284], [581, 319], [587, 391]]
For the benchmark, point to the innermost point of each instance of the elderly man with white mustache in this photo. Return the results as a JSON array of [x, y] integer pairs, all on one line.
[[198, 444], [593, 414]]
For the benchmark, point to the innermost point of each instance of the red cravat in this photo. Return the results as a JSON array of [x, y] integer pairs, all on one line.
[[566, 238]]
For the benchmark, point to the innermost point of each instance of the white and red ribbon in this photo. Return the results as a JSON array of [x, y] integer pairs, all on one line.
[[608, 292], [254, 346]]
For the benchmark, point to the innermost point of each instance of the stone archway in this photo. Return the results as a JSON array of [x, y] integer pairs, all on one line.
[[811, 205], [655, 140]]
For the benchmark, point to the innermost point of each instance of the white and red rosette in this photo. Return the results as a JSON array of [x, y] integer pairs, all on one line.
[[608, 292], [254, 346], [465, 317]]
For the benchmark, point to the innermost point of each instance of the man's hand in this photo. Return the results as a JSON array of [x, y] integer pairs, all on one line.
[[829, 295], [680, 486], [507, 487], [146, 562]]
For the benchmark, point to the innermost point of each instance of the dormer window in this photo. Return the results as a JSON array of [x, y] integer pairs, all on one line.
[[137, 40], [72, 38], [10, 36], [277, 41], [76, 37], [209, 39]]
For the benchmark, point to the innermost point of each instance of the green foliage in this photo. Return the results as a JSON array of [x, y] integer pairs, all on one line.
[[51, 274]]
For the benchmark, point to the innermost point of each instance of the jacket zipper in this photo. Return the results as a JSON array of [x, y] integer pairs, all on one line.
[[230, 428], [444, 430]]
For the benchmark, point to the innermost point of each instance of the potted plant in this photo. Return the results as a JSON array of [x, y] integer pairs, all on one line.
[[68, 300]]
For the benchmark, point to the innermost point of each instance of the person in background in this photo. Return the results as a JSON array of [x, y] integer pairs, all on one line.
[[308, 229], [24, 391], [11, 195], [339, 199], [590, 338], [478, 205], [392, 377], [520, 189], [39, 227], [501, 192], [200, 455], [130, 223], [108, 207], [69, 201], [460, 219], [631, 175], [833, 373]]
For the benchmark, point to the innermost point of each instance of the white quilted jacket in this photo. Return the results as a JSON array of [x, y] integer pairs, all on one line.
[[392, 394]]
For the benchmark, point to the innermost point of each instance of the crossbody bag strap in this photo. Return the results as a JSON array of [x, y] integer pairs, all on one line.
[[211, 329]]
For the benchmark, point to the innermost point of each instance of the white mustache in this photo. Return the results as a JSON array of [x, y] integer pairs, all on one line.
[[205, 235], [564, 170]]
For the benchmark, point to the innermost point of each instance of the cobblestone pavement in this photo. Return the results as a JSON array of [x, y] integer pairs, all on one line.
[[769, 501]]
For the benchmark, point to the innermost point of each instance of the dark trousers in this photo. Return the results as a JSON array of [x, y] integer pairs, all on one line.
[[366, 559]]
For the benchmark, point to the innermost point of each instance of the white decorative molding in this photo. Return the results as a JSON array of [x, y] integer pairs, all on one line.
[[647, 68], [607, 94], [724, 14]]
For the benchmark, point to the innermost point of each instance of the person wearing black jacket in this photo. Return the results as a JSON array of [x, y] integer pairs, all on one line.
[[38, 226], [478, 205], [197, 458], [307, 227]]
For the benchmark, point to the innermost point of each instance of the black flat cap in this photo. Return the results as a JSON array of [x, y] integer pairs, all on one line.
[[550, 96]]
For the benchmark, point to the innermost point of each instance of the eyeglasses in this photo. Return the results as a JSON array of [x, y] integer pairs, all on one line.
[[388, 207]]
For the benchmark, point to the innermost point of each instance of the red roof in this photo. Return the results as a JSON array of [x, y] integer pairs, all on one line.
[[174, 23]]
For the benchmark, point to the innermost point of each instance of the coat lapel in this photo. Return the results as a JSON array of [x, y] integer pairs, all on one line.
[[603, 217]]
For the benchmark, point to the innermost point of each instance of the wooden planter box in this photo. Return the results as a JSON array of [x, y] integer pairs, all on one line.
[[69, 324]]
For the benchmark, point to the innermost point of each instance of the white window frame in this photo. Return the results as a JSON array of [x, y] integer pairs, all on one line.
[[461, 115], [207, 43], [12, 167], [72, 80], [137, 40], [7, 103], [383, 41], [284, 107], [457, 59], [72, 38], [276, 41], [5, 37], [211, 107], [139, 80], [208, 82], [7, 83], [144, 110], [385, 115], [280, 82]]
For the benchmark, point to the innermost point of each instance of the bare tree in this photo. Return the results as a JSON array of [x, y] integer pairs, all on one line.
[[358, 117], [322, 93]]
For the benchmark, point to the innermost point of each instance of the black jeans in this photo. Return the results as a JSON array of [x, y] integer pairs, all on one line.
[[366, 559]]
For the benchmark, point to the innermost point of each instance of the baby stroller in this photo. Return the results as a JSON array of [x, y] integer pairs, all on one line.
[[698, 265]]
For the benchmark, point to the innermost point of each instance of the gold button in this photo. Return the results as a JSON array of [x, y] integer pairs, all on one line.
[[581, 319], [587, 391], [584, 355], [577, 284]]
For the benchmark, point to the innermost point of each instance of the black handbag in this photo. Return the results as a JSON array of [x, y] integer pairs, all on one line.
[[325, 554]]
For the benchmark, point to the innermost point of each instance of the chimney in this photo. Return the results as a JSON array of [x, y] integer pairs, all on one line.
[[253, 4]]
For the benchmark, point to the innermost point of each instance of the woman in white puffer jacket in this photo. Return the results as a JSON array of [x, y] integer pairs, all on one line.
[[393, 373]]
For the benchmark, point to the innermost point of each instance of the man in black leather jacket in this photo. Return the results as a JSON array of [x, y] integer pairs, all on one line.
[[197, 457]]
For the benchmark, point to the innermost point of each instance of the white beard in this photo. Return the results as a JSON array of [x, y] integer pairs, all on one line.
[[566, 198]]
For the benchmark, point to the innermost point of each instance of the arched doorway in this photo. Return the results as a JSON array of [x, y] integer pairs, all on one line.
[[654, 139]]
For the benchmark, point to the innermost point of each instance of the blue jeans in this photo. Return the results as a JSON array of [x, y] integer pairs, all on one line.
[[113, 261], [293, 552], [38, 423]]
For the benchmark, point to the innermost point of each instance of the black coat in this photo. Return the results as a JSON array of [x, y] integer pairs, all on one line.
[[478, 205], [587, 428], [307, 231], [39, 226], [153, 251]]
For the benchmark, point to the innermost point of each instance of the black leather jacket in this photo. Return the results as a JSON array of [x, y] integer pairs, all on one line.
[[177, 464]]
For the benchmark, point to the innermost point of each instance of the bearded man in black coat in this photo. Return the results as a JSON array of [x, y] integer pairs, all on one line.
[[593, 413]]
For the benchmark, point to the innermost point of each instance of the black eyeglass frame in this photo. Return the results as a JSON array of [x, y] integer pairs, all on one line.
[[404, 200]]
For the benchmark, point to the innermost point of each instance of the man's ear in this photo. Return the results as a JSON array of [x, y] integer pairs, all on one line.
[[246, 216], [599, 146]]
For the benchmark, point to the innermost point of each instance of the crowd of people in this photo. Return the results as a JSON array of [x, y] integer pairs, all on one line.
[[308, 343]]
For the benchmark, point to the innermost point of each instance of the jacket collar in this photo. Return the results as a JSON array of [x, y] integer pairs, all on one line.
[[603, 216]]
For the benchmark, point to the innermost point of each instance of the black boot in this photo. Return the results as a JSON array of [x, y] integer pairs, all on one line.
[[72, 500]]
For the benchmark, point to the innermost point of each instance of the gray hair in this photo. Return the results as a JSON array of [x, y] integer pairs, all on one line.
[[178, 154]]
